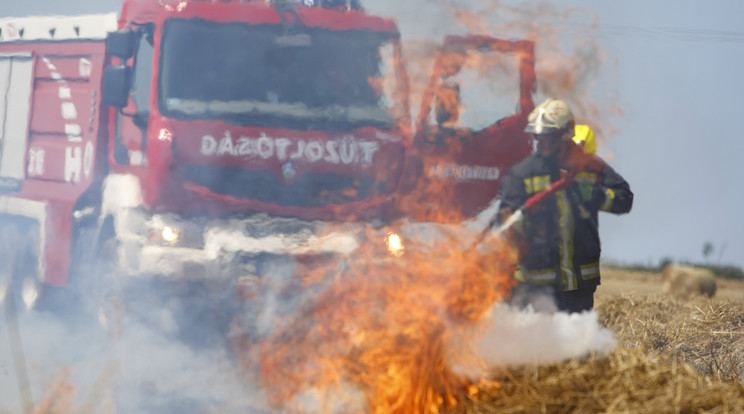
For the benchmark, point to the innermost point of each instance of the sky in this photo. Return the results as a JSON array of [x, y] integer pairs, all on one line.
[[677, 81], [671, 67]]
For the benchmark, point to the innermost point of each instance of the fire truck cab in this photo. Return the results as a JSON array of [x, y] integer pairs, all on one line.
[[200, 140], [188, 138]]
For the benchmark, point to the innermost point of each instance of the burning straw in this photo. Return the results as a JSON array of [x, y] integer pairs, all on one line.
[[60, 395], [375, 338]]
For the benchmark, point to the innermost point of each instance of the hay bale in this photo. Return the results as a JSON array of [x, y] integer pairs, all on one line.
[[688, 281]]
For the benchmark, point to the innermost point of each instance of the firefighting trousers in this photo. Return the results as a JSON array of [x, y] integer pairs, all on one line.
[[547, 298]]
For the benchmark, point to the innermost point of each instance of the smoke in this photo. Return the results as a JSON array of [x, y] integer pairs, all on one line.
[[142, 368], [569, 62], [111, 343], [511, 336], [517, 337], [139, 369]]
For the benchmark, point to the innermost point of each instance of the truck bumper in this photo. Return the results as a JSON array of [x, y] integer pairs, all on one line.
[[193, 249]]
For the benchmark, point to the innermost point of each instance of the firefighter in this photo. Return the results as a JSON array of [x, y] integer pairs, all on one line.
[[558, 244], [584, 137]]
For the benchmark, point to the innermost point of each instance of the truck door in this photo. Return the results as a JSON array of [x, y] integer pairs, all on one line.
[[16, 72], [470, 126], [132, 120]]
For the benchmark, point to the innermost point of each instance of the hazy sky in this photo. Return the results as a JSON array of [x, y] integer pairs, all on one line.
[[678, 83], [673, 68]]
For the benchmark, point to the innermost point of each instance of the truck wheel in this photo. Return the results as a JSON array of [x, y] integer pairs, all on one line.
[[19, 276], [103, 288]]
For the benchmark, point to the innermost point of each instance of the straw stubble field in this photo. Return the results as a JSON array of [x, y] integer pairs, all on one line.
[[673, 356]]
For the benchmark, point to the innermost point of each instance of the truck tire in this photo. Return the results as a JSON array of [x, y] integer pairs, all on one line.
[[19, 276]]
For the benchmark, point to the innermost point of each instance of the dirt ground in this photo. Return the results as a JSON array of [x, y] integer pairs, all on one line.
[[616, 282]]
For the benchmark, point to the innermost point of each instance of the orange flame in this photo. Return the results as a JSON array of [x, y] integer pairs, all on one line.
[[60, 395], [568, 56], [376, 334], [375, 337], [419, 197]]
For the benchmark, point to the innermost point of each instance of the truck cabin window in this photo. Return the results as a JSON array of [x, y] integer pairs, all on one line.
[[259, 75]]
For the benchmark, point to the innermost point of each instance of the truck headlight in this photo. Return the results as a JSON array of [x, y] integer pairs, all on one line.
[[175, 232], [170, 235], [166, 234], [395, 244]]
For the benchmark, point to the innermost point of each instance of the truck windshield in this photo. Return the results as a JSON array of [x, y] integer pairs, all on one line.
[[260, 75]]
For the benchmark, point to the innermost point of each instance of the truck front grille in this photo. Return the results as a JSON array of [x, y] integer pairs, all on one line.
[[306, 190]]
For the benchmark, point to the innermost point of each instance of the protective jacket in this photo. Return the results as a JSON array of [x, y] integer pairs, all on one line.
[[559, 243]]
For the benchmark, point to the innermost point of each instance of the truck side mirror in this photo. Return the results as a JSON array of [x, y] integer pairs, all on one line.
[[115, 85], [121, 44]]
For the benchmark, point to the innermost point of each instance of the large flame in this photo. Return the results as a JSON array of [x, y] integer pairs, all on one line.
[[440, 139], [60, 395], [569, 58], [377, 335]]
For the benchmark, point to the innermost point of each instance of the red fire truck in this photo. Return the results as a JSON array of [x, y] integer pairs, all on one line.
[[197, 140]]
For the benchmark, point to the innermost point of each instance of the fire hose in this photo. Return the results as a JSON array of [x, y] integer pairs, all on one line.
[[529, 206]]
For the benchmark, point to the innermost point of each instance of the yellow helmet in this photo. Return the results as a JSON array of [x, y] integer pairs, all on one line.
[[584, 137]]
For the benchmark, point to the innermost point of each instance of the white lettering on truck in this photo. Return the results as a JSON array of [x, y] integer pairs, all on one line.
[[84, 68], [461, 173], [35, 161], [347, 150], [73, 164], [88, 159]]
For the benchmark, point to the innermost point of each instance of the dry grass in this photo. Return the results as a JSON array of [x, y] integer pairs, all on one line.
[[707, 334], [626, 381], [673, 357]]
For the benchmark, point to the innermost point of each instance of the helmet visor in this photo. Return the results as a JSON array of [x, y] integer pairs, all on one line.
[[547, 135], [537, 128]]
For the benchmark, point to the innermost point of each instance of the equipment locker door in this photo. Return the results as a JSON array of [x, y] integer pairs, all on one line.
[[16, 76], [470, 126]]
